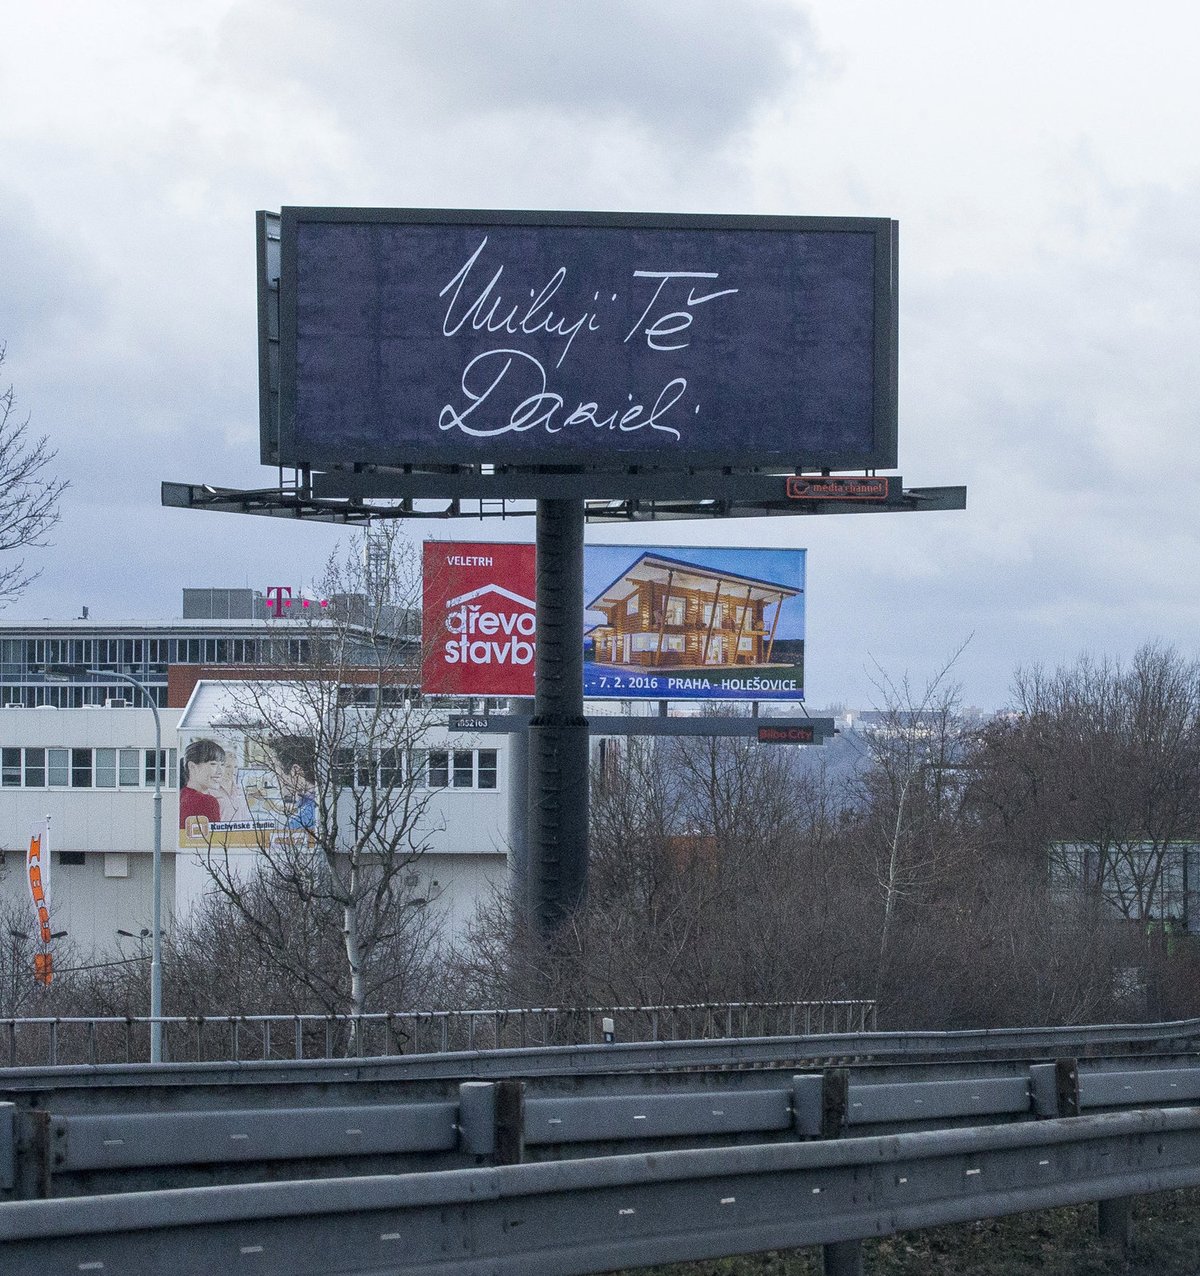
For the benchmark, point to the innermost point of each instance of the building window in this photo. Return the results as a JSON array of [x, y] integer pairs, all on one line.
[[71, 857], [391, 768], [10, 768], [106, 768], [464, 769], [487, 768], [130, 765], [458, 768], [58, 768], [35, 768], [165, 765], [439, 768], [81, 768]]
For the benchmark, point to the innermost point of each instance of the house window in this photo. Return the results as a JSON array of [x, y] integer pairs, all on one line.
[[676, 611], [631, 605], [650, 642]]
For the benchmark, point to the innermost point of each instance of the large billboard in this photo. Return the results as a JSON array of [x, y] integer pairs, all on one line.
[[660, 623], [426, 337]]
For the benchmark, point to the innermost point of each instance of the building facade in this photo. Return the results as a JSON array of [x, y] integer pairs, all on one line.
[[83, 753]]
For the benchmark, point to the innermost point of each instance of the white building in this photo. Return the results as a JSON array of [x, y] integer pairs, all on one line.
[[464, 825], [82, 752], [92, 771]]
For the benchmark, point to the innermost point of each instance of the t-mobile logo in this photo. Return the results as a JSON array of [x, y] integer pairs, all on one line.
[[280, 600]]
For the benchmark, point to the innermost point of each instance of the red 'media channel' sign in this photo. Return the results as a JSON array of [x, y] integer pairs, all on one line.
[[481, 619]]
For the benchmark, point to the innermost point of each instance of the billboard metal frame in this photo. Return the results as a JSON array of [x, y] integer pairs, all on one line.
[[359, 499]]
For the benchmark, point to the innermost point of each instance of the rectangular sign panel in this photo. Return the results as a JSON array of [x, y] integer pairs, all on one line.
[[661, 623], [416, 337], [692, 623], [236, 792], [839, 487], [790, 734], [480, 618]]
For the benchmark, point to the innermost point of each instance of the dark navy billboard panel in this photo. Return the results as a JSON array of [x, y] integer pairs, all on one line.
[[693, 623], [601, 340]]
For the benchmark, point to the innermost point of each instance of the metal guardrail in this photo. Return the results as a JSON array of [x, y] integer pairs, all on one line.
[[44, 1152], [57, 1041], [599, 1214], [116, 1084]]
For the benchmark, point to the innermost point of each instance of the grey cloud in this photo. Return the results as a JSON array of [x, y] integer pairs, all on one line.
[[45, 279], [685, 72]]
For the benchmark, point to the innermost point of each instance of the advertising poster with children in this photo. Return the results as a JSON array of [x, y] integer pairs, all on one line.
[[237, 791]]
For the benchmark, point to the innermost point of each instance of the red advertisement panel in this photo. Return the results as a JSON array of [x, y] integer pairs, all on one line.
[[480, 618]]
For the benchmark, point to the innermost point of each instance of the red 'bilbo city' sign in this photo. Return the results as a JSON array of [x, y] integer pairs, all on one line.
[[481, 620]]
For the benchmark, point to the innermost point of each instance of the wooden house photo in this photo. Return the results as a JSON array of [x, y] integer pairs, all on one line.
[[664, 612]]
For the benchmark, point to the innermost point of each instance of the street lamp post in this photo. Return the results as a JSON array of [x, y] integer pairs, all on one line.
[[156, 937]]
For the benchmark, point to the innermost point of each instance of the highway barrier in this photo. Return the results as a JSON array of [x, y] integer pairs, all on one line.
[[601, 1213]]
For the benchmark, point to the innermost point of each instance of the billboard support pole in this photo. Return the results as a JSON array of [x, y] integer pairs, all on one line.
[[518, 796], [558, 735]]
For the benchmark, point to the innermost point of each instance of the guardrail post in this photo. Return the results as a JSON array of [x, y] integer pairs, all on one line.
[[510, 1122], [820, 1103], [477, 1117], [1054, 1088], [808, 1105], [31, 1170], [842, 1258], [1066, 1086], [1114, 1221], [835, 1102], [8, 1149]]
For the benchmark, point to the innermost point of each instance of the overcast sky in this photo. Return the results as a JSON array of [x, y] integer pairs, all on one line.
[[1043, 161]]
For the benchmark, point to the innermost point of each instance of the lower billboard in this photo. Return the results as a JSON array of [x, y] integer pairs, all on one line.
[[660, 623]]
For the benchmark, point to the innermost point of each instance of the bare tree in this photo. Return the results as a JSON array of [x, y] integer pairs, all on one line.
[[337, 731], [716, 875], [910, 798], [28, 495], [1120, 750]]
